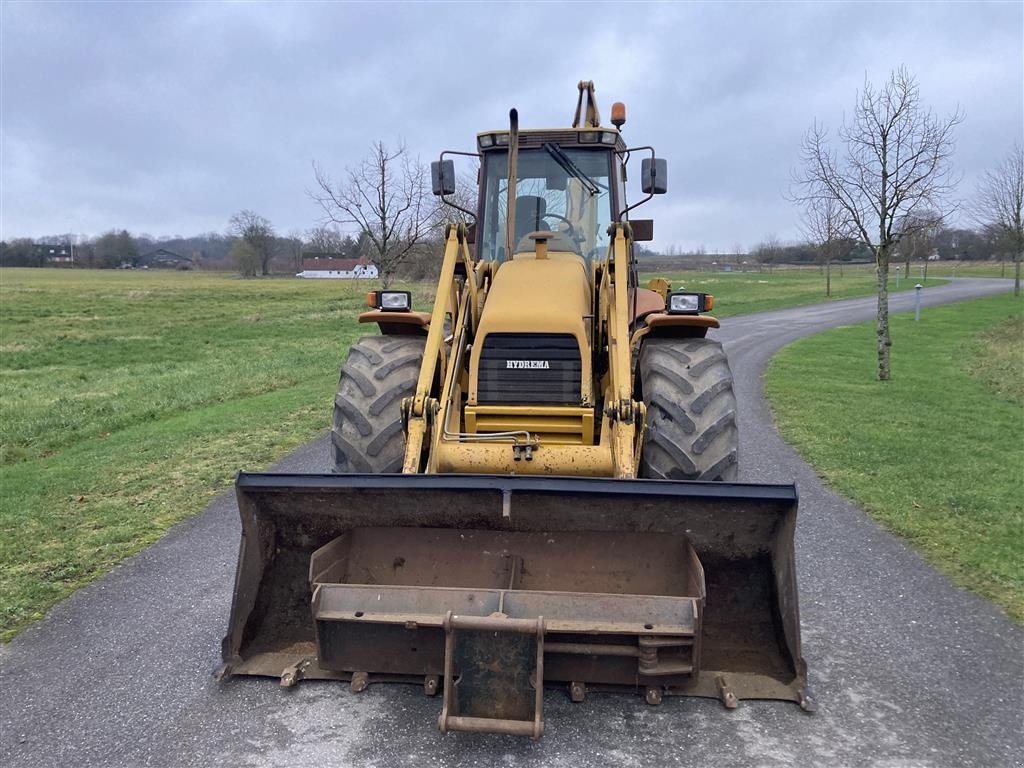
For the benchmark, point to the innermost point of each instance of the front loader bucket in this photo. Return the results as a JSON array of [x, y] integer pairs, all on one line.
[[491, 586]]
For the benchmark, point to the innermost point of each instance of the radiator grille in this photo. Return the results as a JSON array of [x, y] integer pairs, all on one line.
[[527, 380]]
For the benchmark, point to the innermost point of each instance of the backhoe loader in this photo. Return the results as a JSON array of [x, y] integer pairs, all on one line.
[[535, 480]]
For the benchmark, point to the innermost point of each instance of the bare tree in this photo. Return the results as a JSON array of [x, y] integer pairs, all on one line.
[[894, 161], [999, 205], [258, 234], [768, 251], [114, 249], [292, 248], [325, 240], [827, 227], [918, 232], [245, 257], [386, 196]]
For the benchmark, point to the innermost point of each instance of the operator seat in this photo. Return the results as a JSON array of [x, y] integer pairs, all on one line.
[[530, 210]]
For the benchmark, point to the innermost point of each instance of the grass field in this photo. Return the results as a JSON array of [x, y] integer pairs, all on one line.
[[741, 293], [128, 399], [964, 269], [935, 455]]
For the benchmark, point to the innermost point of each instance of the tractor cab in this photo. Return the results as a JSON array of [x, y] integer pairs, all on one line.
[[559, 191], [563, 186]]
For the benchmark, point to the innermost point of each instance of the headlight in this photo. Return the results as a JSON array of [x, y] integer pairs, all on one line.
[[485, 141], [686, 303], [390, 301]]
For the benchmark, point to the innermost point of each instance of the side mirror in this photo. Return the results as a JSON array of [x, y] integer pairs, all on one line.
[[442, 177], [654, 176]]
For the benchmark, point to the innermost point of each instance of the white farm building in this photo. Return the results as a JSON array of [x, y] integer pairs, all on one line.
[[340, 269]]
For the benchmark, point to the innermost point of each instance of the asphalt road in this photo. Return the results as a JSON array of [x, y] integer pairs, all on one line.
[[909, 671]]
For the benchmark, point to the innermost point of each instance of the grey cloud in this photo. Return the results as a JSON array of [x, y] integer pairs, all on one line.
[[166, 118]]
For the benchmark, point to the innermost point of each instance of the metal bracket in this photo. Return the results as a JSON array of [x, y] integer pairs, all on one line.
[[625, 411], [487, 669], [406, 410]]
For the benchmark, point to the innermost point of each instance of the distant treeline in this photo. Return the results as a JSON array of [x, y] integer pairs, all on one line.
[[947, 243], [209, 251], [212, 251]]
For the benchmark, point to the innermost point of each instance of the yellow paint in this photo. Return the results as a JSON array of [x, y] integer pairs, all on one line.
[[497, 458], [553, 424], [661, 286]]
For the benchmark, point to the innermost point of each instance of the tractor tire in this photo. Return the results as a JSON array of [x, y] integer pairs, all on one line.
[[691, 411], [367, 434]]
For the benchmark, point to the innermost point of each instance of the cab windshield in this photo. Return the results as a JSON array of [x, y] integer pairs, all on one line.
[[563, 191]]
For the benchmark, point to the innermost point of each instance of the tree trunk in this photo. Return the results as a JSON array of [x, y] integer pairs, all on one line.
[[882, 330], [924, 273]]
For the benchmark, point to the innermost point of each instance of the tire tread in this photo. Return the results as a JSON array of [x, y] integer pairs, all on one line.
[[691, 411], [366, 432]]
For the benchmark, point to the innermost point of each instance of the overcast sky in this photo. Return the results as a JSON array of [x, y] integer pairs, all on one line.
[[165, 118]]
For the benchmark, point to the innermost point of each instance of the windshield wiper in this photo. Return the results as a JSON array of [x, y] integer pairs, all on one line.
[[571, 168]]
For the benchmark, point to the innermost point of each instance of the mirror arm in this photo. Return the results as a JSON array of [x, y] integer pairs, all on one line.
[[625, 154], [456, 206], [622, 215]]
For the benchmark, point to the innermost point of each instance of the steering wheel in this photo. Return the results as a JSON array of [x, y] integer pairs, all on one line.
[[570, 232]]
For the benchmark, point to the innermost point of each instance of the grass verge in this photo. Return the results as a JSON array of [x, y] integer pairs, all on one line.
[[935, 455]]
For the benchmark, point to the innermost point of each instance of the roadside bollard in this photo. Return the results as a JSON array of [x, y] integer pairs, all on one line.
[[897, 278], [917, 302]]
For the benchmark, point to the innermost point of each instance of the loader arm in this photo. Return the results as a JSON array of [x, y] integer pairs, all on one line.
[[419, 410], [624, 416]]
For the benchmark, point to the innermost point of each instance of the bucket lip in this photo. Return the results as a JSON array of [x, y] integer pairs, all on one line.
[[679, 489]]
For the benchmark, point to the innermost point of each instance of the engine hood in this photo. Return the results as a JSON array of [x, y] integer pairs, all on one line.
[[536, 305]]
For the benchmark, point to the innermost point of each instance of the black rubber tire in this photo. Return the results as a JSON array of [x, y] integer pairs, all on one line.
[[366, 434], [691, 411]]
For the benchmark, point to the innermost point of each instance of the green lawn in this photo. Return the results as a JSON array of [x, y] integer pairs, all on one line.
[[741, 293], [937, 453], [964, 269], [128, 399]]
